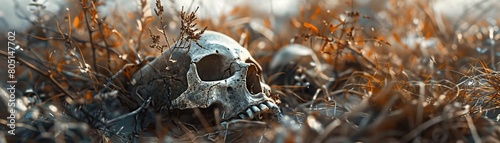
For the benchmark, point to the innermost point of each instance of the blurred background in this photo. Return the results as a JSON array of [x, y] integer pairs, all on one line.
[[14, 13]]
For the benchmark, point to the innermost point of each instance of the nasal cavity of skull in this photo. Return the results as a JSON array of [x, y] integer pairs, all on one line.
[[213, 68], [253, 80]]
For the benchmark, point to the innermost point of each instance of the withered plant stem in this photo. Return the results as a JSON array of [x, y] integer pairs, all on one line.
[[49, 75], [101, 25], [143, 4], [113, 77], [94, 58], [159, 12]]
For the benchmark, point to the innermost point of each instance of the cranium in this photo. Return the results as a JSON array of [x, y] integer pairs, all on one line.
[[298, 65], [213, 70]]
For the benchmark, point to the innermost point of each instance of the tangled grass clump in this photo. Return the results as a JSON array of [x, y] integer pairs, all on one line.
[[403, 74]]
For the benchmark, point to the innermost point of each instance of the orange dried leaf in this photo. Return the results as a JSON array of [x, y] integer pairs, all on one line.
[[380, 38], [333, 28], [131, 15], [295, 23], [59, 66], [311, 28], [396, 37], [350, 57], [106, 32], [96, 35], [76, 23], [88, 95], [234, 11], [147, 20], [115, 44], [426, 29], [387, 43], [316, 13], [267, 23], [427, 34], [80, 15]]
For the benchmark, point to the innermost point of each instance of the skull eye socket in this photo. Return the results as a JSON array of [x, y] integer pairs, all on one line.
[[253, 80], [212, 68]]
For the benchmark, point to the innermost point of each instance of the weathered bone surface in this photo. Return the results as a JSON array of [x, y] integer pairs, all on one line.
[[214, 70], [298, 65]]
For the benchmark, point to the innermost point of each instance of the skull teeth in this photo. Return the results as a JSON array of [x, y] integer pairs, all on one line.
[[271, 105], [275, 109], [250, 113], [254, 110], [241, 115], [263, 108]]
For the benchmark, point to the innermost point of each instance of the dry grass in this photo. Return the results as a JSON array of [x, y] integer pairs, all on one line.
[[441, 88]]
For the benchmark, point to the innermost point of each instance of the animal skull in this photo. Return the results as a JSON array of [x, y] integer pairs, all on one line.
[[298, 65], [214, 70]]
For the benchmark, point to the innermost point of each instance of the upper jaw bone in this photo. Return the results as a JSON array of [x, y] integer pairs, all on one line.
[[254, 110]]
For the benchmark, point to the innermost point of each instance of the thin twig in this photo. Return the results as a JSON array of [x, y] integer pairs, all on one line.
[[100, 22], [85, 8], [113, 77]]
